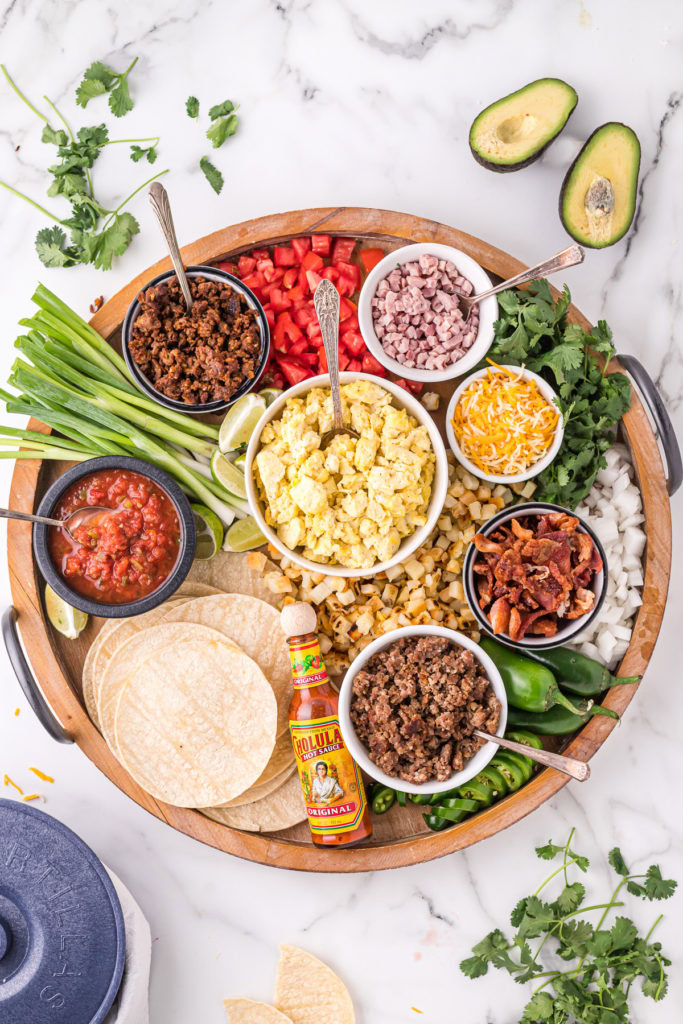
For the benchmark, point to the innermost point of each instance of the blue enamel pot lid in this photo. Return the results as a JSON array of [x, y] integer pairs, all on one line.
[[62, 937]]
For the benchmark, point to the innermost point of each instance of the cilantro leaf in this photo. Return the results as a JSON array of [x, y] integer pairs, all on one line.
[[192, 106], [120, 101], [220, 109], [221, 129], [138, 153], [56, 138], [97, 79], [212, 174], [623, 934], [115, 239], [539, 1007], [474, 966], [518, 913], [616, 860], [571, 898], [537, 918], [656, 887], [52, 248], [549, 851]]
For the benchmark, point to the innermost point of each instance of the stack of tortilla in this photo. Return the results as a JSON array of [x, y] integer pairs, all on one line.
[[193, 697]]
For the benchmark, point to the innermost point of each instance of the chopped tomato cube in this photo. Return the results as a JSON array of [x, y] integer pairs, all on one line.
[[260, 254], [303, 281], [371, 365], [349, 270], [313, 279], [312, 261], [298, 347], [245, 265], [415, 386], [313, 329], [290, 277], [273, 274], [280, 300], [267, 289], [270, 314], [346, 309], [370, 258], [294, 372], [342, 249], [343, 360], [229, 268], [330, 273], [254, 280], [296, 294], [345, 285], [321, 244], [304, 314], [322, 360], [284, 256], [311, 359], [351, 323], [354, 366], [301, 247], [264, 264], [353, 341]]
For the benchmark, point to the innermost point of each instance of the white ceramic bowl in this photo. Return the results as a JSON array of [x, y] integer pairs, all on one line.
[[402, 399], [488, 310], [359, 750], [502, 478]]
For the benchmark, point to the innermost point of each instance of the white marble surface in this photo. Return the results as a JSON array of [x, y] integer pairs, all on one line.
[[350, 102]]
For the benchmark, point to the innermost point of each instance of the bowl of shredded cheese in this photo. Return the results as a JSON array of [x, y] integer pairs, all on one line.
[[503, 424]]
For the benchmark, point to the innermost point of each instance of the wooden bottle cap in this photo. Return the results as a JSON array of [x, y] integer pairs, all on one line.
[[298, 619]]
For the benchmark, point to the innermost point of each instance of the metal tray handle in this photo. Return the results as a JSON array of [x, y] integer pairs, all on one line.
[[665, 428], [27, 680]]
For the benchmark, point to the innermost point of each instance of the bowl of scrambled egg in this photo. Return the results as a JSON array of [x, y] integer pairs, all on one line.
[[362, 505]]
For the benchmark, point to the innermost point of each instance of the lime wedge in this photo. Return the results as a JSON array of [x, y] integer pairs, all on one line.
[[227, 475], [270, 394], [243, 535], [239, 422], [240, 461], [209, 532], [67, 620]]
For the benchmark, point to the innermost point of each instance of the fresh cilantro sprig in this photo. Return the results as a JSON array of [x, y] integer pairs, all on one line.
[[533, 330], [212, 174], [97, 234], [192, 107], [99, 79], [224, 123], [603, 962]]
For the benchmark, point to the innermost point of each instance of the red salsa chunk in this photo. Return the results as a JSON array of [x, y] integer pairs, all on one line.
[[127, 554]]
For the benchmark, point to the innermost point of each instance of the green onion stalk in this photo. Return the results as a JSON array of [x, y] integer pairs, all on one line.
[[69, 378]]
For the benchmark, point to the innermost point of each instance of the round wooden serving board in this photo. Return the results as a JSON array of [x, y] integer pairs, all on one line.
[[400, 837]]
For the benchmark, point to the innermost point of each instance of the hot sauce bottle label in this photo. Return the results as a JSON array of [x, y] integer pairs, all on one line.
[[308, 667], [330, 779]]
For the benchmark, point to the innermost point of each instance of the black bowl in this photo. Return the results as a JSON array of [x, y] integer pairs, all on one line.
[[564, 633], [214, 274], [187, 537]]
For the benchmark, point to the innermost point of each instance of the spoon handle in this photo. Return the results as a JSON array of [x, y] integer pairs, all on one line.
[[326, 301], [8, 513], [569, 765], [567, 258], [158, 197]]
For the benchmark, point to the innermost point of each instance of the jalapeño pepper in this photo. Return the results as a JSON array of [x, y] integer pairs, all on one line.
[[515, 771], [579, 674], [529, 686], [382, 798], [556, 721], [491, 774], [521, 736]]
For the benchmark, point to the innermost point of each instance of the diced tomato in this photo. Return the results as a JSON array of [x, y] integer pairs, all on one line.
[[254, 280], [313, 279], [298, 347], [330, 273], [229, 268], [267, 289], [322, 360], [312, 261], [245, 265], [415, 386], [345, 285], [301, 247], [349, 270], [342, 249], [290, 277], [351, 323], [343, 360], [293, 370], [286, 332], [296, 294], [370, 258], [354, 366], [280, 300], [304, 315], [313, 329], [270, 314], [346, 309], [371, 365], [284, 256], [273, 275], [265, 264], [310, 359], [321, 244], [260, 254], [353, 341], [303, 281]]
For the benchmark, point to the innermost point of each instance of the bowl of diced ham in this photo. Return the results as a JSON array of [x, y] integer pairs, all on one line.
[[411, 318]]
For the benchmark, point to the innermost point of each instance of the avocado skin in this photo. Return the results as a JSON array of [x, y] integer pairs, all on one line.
[[563, 190], [525, 161]]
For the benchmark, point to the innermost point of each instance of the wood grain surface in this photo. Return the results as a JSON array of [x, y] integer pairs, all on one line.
[[400, 837]]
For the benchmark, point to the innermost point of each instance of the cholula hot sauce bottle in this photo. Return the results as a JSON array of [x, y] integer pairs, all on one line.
[[330, 779]]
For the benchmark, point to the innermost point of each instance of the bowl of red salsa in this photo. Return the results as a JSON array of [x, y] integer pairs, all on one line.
[[123, 563]]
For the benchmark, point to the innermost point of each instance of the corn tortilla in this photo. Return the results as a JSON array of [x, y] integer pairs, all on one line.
[[281, 809], [245, 1011], [309, 992], [259, 790], [255, 627], [229, 571], [195, 724]]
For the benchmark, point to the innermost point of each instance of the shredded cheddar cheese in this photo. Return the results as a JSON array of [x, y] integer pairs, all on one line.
[[503, 423], [41, 775], [31, 796], [9, 782]]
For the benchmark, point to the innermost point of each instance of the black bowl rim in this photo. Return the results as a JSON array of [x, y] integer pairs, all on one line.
[[200, 270], [563, 636], [187, 543]]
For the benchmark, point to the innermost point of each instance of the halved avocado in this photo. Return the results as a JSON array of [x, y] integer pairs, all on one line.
[[513, 132], [598, 196]]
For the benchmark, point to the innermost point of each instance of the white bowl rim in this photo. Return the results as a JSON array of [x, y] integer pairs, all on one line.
[[359, 752], [574, 626], [488, 310], [439, 483], [502, 478]]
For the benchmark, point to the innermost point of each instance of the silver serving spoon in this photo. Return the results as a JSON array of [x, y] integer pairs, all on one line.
[[158, 197], [569, 765], [567, 258], [91, 515], [326, 301]]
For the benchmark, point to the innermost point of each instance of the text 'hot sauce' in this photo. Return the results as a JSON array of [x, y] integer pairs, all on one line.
[[330, 779]]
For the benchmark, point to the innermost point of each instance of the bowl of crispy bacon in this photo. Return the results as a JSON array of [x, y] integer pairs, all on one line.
[[535, 576]]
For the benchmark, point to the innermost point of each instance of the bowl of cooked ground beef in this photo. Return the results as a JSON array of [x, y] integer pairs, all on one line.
[[204, 360], [409, 703]]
